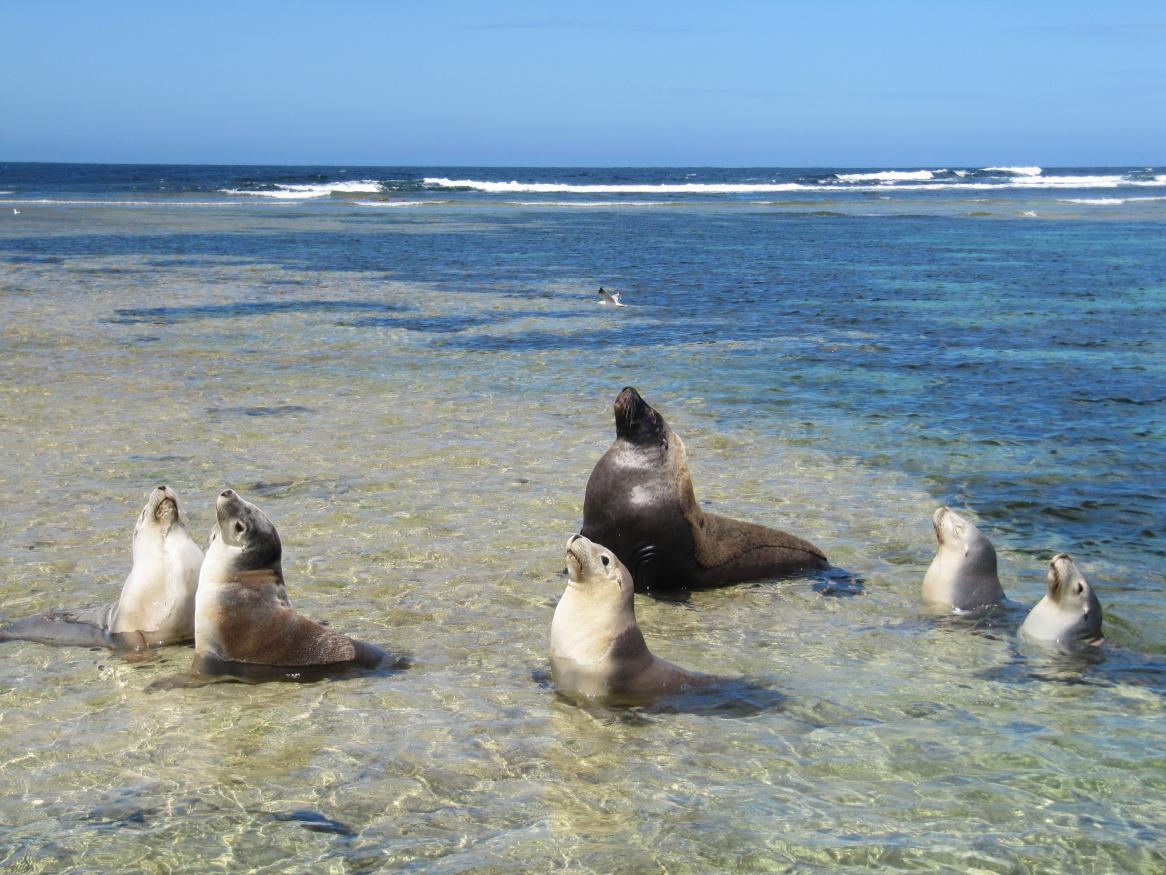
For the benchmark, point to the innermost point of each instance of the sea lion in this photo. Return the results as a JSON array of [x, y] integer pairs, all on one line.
[[244, 624], [156, 606], [598, 653], [640, 503], [962, 576], [1069, 613]]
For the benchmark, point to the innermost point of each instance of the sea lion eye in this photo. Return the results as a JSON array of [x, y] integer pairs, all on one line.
[[239, 527], [1079, 589], [605, 560]]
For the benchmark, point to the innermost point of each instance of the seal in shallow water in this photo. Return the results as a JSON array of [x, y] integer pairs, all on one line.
[[156, 606], [963, 573], [244, 624], [598, 653], [640, 503], [1069, 613]]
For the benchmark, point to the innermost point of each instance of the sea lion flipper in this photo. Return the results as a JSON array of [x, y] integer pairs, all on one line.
[[368, 655], [87, 627], [728, 549]]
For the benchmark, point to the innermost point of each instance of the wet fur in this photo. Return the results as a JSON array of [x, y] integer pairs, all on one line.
[[1070, 612], [244, 615], [640, 503], [962, 576], [156, 605], [598, 653]]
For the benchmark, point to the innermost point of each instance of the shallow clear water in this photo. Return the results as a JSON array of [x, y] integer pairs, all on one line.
[[416, 398]]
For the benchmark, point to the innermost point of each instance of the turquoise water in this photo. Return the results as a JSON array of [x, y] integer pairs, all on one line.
[[416, 396]]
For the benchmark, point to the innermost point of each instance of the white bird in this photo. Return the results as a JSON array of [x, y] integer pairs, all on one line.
[[610, 299], [15, 211]]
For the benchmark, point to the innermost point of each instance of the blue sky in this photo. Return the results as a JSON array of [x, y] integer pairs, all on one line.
[[825, 83]]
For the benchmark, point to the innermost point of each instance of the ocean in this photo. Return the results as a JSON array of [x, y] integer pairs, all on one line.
[[406, 368]]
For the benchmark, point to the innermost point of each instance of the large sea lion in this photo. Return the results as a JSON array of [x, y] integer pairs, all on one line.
[[156, 606], [598, 653], [640, 504], [1069, 613], [244, 624], [962, 576]]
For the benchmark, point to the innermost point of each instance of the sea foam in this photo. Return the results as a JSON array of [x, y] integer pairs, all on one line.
[[1109, 201], [515, 187], [889, 176], [311, 190], [920, 180], [1015, 171], [396, 203], [72, 202], [607, 204]]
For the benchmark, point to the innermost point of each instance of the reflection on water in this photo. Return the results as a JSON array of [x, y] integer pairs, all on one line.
[[423, 450]]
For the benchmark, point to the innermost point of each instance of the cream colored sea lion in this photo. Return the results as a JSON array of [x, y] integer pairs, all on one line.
[[1069, 613], [156, 606], [641, 505], [244, 624], [962, 575], [598, 653]]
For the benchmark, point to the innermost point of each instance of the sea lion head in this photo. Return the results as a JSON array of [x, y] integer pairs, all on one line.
[[1071, 593], [160, 512], [157, 519], [245, 533], [637, 422], [596, 573], [960, 536]]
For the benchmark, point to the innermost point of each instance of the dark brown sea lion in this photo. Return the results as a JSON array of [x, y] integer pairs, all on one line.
[[641, 505], [244, 624]]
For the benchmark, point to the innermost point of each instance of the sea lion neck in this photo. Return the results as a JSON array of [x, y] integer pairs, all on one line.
[[257, 578]]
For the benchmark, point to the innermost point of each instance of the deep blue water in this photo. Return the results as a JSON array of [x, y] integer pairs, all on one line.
[[998, 335], [476, 184]]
